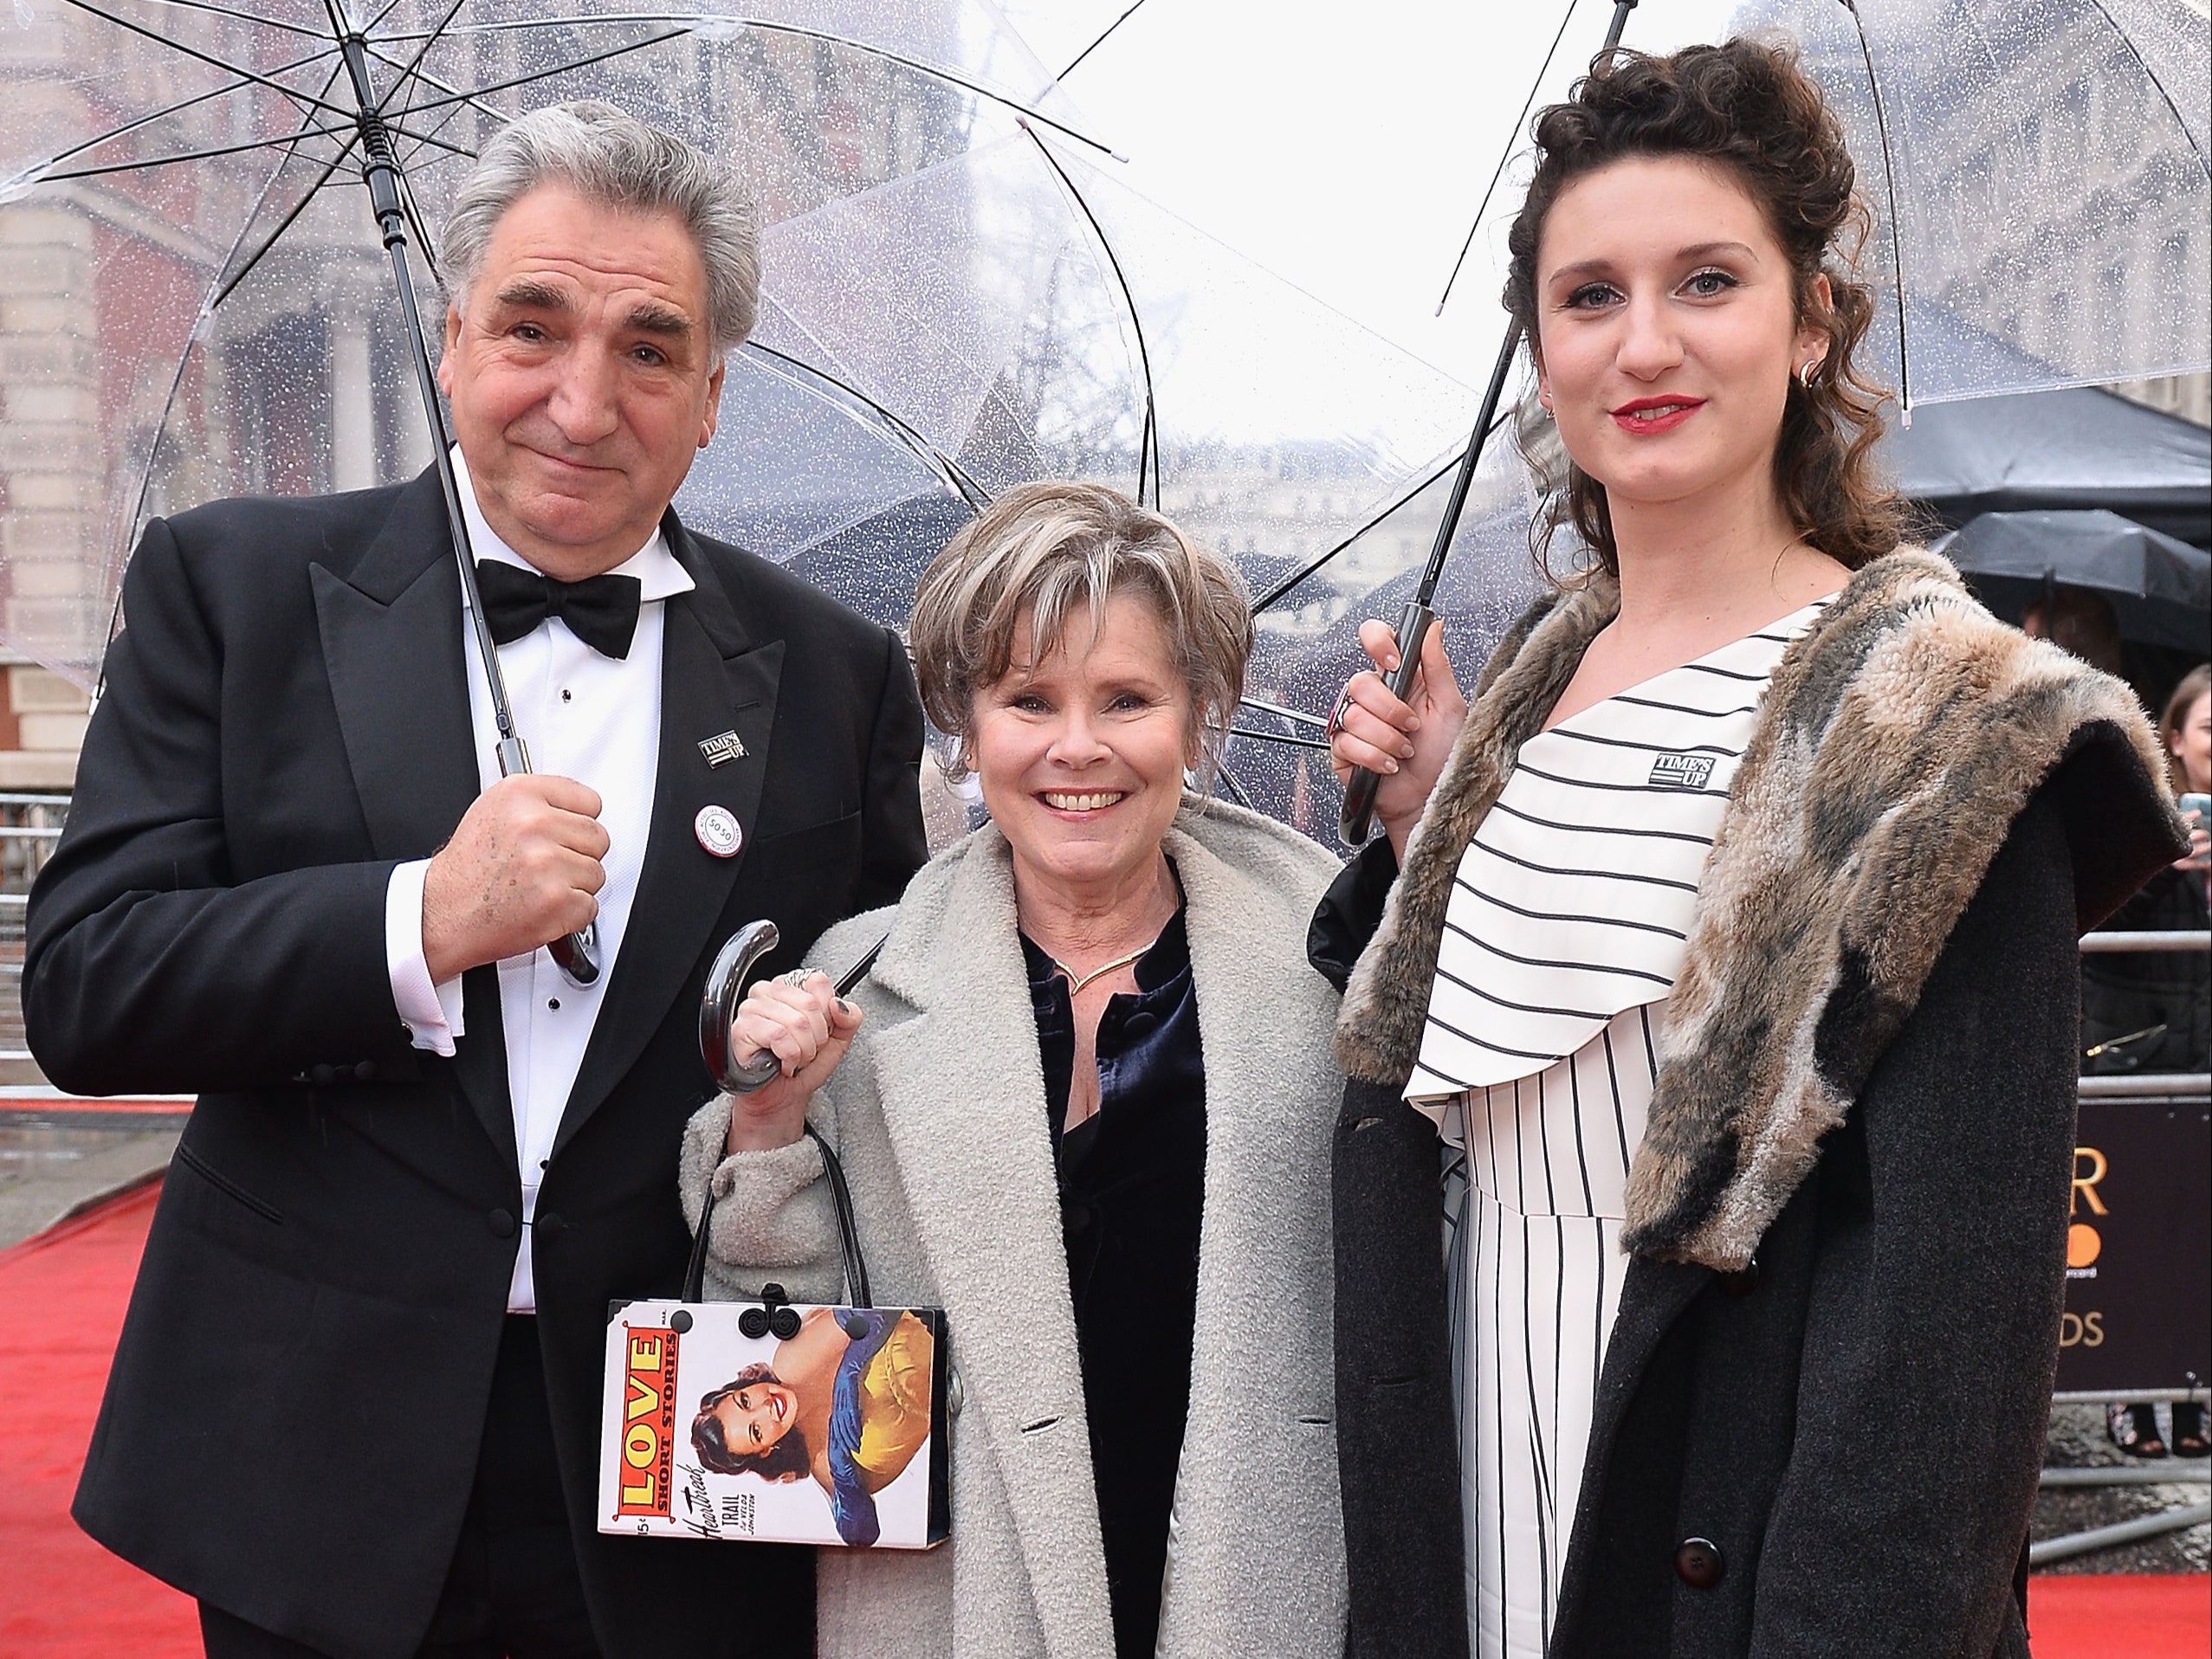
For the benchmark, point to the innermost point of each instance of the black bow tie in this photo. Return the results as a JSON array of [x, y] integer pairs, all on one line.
[[601, 610]]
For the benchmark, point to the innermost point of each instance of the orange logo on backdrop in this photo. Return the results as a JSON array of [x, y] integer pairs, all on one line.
[[2084, 1244], [647, 1423]]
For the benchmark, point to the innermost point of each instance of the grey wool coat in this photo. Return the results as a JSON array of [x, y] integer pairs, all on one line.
[[938, 1115], [1821, 1412]]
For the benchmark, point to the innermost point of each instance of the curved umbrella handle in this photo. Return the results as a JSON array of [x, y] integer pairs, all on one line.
[[726, 983]]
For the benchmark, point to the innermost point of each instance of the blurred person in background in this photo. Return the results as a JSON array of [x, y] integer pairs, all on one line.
[[2151, 1011]]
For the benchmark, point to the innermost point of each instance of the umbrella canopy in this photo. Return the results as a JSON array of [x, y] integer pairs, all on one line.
[[2036, 169], [955, 298], [2160, 589], [2072, 448]]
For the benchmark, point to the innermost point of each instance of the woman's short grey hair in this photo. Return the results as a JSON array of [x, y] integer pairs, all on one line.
[[1040, 553], [610, 157]]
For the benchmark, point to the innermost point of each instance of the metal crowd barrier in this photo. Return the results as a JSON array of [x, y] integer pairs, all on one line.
[[2182, 1087], [30, 825]]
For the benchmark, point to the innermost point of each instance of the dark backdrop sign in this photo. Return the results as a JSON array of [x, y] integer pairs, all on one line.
[[2140, 1248]]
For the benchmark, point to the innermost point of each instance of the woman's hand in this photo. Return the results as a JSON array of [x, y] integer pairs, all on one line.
[[1405, 742], [808, 1028], [2200, 845]]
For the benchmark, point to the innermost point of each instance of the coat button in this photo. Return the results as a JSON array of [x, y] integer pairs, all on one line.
[[502, 1223], [1079, 1217], [1742, 1283], [1140, 1025], [551, 1226], [1699, 1564], [323, 1074], [365, 1071]]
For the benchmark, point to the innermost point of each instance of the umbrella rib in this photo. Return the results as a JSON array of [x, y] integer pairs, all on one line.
[[1897, 241], [177, 379], [1505, 156], [1100, 42], [285, 223], [2172, 108], [276, 86], [691, 21], [948, 469], [1267, 600], [383, 12], [1282, 713], [407, 71], [431, 139], [1283, 738], [541, 75], [245, 17], [1148, 438], [178, 108], [149, 163], [1236, 790], [414, 63]]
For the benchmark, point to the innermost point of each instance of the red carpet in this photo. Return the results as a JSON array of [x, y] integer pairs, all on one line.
[[61, 1298], [2120, 1616], [61, 1596]]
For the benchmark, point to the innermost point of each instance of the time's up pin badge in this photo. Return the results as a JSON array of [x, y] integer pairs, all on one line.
[[719, 751]]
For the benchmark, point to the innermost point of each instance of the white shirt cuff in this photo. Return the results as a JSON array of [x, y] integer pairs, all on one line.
[[432, 1012]]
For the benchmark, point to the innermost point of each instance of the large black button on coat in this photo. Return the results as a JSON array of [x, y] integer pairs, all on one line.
[[1700, 1563], [502, 1223]]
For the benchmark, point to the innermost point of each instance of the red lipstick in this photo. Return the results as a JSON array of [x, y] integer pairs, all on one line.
[[1634, 416]]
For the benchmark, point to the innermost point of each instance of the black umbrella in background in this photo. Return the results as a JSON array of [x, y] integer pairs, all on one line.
[[2160, 589], [2080, 448]]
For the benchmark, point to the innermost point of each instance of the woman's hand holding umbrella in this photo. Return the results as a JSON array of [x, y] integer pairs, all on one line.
[[801, 1020], [1406, 745]]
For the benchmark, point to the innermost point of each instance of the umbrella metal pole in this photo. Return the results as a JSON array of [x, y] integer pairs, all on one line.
[[576, 955], [1356, 818]]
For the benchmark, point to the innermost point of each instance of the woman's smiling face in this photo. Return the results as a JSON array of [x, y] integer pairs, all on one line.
[[755, 1416], [1668, 329], [1081, 755]]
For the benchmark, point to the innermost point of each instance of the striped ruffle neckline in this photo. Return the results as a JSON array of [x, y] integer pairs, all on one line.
[[1573, 902]]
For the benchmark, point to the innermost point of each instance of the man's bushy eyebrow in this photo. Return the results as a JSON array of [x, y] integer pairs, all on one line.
[[530, 294], [659, 319]]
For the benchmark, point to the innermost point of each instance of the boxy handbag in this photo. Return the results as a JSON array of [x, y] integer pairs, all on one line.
[[777, 1421]]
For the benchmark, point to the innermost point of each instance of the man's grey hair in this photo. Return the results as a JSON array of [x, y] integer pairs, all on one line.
[[610, 157]]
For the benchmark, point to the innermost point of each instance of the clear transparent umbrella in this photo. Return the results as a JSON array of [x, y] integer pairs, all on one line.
[[2036, 169], [959, 294]]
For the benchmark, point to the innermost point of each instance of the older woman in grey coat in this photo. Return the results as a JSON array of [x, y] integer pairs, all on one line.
[[1083, 1101]]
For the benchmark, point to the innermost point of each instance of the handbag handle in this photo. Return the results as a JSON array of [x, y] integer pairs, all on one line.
[[856, 1269]]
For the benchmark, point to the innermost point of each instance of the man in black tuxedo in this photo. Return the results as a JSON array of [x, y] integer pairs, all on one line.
[[355, 1409]]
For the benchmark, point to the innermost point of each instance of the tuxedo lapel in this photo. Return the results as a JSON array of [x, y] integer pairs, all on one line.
[[391, 630], [714, 679]]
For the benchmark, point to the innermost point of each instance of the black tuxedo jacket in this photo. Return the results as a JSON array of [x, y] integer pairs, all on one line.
[[291, 1426]]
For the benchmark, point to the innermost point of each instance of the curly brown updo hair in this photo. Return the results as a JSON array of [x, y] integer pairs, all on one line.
[[1747, 106]]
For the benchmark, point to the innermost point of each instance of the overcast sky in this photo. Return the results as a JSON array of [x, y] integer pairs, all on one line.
[[1344, 145]]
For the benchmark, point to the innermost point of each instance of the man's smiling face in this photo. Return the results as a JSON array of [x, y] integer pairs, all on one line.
[[583, 377]]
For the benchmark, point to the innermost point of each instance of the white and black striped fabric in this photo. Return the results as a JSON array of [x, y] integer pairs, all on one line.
[[1562, 937], [1573, 902]]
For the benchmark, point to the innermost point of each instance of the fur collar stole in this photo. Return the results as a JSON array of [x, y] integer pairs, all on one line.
[[1897, 738]]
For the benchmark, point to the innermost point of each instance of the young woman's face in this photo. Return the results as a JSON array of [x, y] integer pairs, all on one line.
[[1667, 329], [2192, 746], [755, 1416]]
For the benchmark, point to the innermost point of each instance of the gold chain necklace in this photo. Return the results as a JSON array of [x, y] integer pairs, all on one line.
[[1076, 982]]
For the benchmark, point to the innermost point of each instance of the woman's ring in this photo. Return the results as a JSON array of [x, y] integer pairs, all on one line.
[[795, 977], [1336, 714]]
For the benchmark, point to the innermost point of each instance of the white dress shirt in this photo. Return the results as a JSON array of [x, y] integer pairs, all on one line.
[[583, 716]]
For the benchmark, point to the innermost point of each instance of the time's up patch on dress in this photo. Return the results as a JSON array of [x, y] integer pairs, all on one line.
[[1682, 772]]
